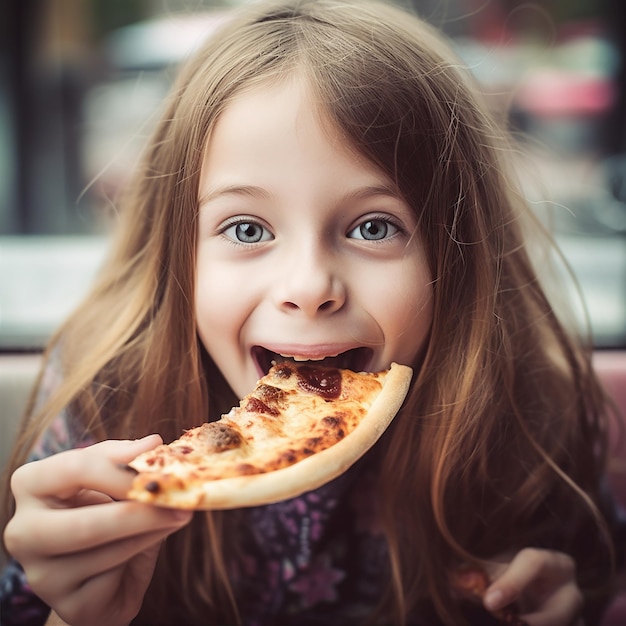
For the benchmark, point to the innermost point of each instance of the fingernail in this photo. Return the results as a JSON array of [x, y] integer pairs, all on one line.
[[493, 599]]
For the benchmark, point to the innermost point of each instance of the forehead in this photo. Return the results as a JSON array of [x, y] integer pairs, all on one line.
[[273, 107]]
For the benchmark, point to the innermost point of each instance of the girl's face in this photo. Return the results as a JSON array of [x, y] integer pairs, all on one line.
[[305, 250]]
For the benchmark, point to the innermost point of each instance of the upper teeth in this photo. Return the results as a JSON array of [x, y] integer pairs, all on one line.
[[305, 358]]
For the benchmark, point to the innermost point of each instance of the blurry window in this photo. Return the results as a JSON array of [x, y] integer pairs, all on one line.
[[81, 80]]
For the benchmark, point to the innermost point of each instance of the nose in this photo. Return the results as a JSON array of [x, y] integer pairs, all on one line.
[[311, 285]]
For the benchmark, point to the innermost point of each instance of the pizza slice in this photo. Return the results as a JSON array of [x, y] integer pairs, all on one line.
[[302, 425]]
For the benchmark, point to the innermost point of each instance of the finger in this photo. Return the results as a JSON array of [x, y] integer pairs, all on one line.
[[532, 574], [96, 467], [54, 532], [87, 497], [120, 584], [113, 597], [560, 608], [83, 568], [55, 620]]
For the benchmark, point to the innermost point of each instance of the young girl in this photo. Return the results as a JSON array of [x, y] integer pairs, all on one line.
[[324, 182]]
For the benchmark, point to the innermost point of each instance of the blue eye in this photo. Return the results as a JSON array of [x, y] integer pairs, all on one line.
[[374, 229], [248, 232]]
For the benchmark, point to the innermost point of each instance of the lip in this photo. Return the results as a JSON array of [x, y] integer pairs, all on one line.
[[358, 358]]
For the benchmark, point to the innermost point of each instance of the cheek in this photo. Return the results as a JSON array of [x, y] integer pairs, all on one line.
[[406, 311], [225, 295], [405, 308], [213, 298]]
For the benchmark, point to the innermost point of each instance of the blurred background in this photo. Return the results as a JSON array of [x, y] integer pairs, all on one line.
[[82, 80]]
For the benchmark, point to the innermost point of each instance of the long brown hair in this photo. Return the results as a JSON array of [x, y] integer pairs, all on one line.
[[500, 443]]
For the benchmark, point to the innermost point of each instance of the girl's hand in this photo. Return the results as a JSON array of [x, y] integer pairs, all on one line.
[[542, 583], [86, 553]]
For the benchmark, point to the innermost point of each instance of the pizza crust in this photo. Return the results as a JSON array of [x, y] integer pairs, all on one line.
[[293, 480]]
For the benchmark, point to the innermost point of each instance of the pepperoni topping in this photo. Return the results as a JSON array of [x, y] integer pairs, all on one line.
[[283, 370], [323, 381], [254, 405], [269, 394]]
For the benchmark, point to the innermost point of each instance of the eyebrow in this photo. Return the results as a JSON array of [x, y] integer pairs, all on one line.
[[251, 191], [373, 190], [254, 191]]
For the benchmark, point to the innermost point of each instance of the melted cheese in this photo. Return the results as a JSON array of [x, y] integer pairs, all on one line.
[[283, 421]]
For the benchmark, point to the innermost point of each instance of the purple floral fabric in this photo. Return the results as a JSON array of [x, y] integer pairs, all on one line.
[[19, 605], [309, 561]]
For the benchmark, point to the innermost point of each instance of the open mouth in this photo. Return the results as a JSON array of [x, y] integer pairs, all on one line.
[[357, 359]]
